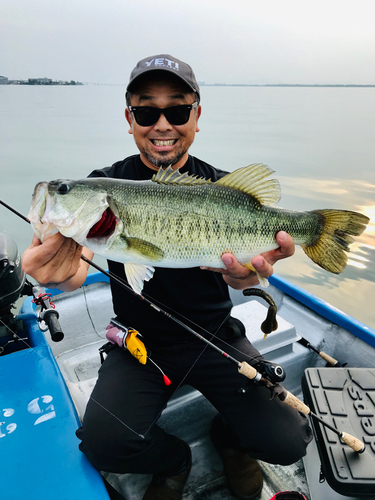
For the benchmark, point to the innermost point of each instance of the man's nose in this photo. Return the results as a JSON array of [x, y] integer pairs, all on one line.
[[162, 123]]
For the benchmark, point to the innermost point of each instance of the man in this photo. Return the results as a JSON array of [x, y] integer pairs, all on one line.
[[119, 431]]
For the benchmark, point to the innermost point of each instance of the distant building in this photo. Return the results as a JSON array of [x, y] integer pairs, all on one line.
[[40, 81], [37, 81]]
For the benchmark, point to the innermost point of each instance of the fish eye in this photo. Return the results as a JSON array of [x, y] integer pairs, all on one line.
[[63, 188]]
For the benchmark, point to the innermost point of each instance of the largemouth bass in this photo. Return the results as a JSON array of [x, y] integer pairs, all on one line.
[[181, 221]]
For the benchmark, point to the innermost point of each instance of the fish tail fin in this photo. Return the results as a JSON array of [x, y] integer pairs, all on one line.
[[328, 250]]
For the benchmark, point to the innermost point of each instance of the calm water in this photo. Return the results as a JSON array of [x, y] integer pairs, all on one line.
[[320, 142]]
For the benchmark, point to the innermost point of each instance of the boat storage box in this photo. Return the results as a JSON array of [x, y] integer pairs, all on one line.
[[344, 398]]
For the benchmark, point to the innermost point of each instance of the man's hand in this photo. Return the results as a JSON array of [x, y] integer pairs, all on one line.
[[240, 277], [55, 261]]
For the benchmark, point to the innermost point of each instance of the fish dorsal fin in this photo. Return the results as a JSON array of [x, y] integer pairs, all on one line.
[[170, 176], [253, 180]]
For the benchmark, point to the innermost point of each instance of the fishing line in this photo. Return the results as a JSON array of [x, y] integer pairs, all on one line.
[[123, 284], [160, 309], [15, 334], [187, 373], [22, 340], [108, 411], [119, 419], [247, 370], [127, 287]]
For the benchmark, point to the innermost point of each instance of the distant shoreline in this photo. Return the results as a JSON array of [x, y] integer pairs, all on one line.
[[282, 85], [47, 82]]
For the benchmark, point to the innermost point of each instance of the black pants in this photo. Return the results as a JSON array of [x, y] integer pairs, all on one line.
[[129, 397]]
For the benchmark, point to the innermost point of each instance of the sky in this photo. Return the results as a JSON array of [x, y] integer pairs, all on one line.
[[225, 41]]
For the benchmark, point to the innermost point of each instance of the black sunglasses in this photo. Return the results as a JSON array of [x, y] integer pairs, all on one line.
[[146, 116]]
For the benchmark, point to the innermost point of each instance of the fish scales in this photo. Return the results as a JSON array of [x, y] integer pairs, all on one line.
[[181, 221], [173, 221]]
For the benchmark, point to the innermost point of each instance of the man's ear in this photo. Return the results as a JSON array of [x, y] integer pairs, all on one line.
[[199, 111], [129, 119]]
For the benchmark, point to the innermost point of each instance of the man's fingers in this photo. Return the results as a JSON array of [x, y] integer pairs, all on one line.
[[215, 269], [35, 241], [240, 277], [234, 268], [286, 248], [56, 259], [286, 244], [37, 255], [262, 266]]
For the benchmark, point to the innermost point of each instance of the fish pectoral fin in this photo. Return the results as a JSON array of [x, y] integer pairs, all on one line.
[[262, 281], [144, 248], [137, 274]]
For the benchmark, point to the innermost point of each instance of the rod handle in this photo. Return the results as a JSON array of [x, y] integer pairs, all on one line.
[[247, 370], [294, 402], [328, 358], [354, 443]]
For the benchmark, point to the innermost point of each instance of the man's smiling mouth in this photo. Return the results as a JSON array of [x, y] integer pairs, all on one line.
[[157, 142]]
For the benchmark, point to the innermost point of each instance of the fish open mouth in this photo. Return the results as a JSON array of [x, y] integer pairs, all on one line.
[[105, 227]]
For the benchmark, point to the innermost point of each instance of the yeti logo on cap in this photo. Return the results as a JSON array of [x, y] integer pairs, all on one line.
[[163, 62]]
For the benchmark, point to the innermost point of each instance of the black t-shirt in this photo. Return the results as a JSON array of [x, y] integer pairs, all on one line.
[[196, 297]]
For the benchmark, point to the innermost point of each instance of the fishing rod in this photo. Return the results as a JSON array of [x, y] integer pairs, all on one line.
[[329, 359], [119, 281], [14, 211], [244, 368]]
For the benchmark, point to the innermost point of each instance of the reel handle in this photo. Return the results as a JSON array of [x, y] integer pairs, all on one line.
[[51, 318], [47, 313]]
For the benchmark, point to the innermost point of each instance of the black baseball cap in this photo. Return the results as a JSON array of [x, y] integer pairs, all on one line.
[[164, 62]]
